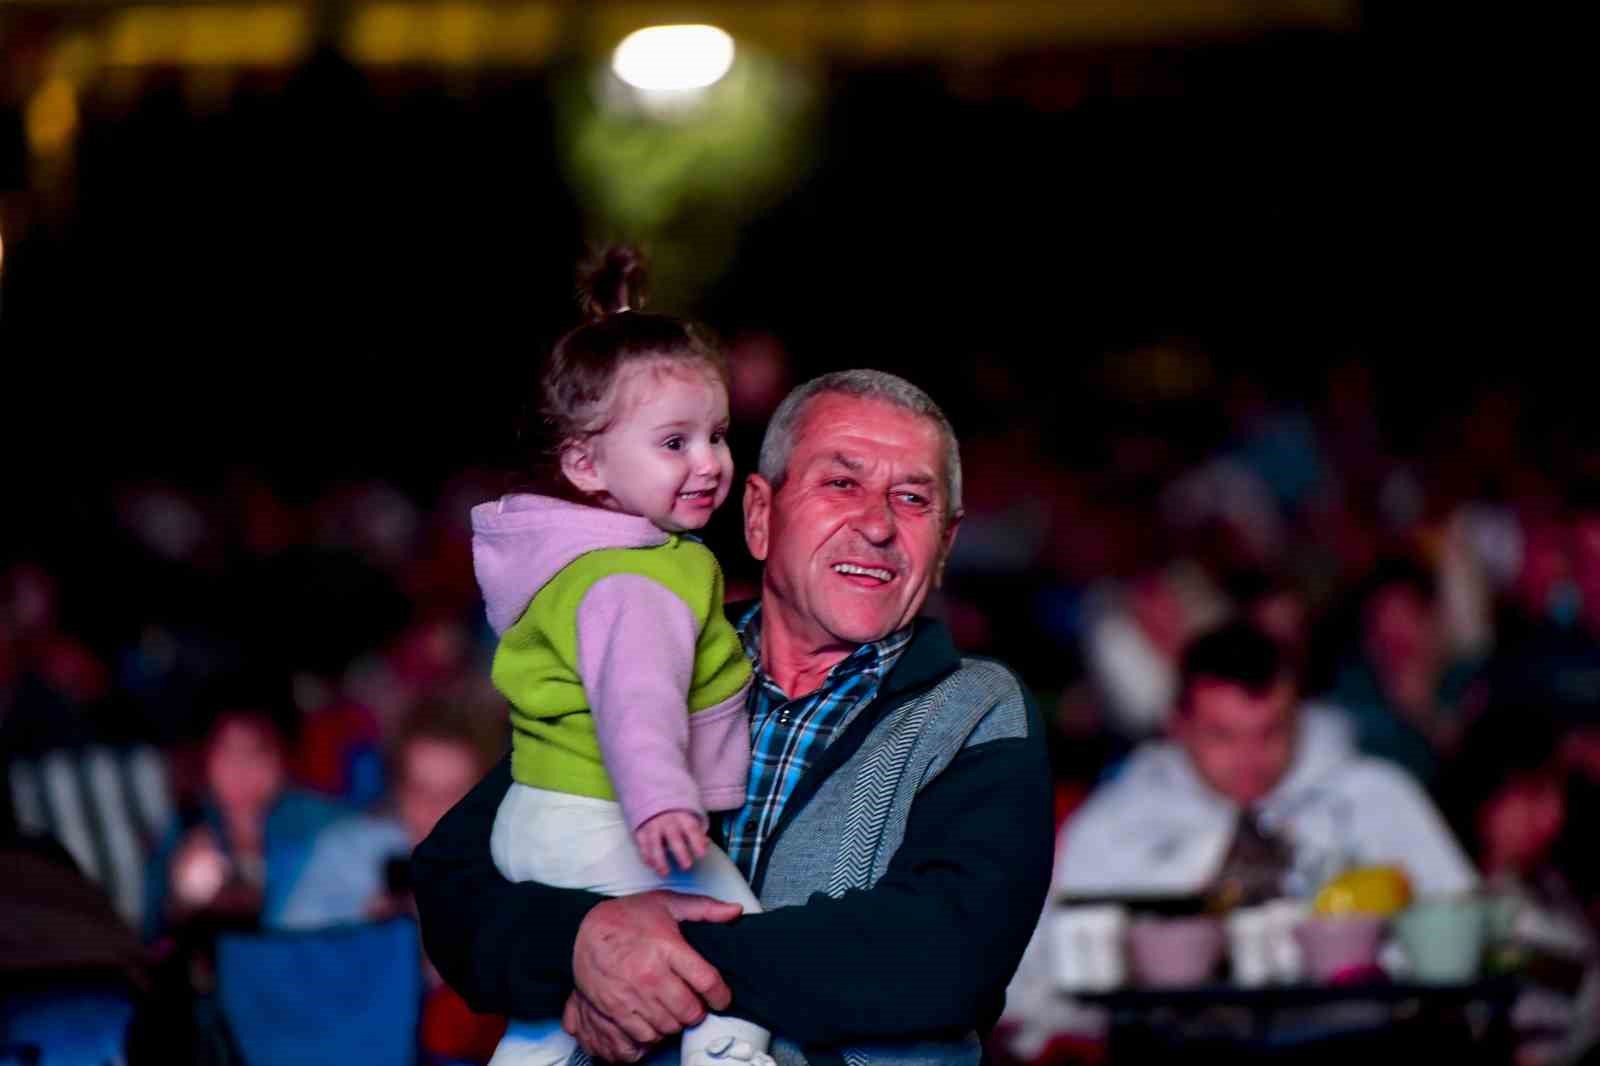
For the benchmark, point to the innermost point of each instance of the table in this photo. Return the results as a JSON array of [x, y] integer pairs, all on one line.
[[1308, 1024]]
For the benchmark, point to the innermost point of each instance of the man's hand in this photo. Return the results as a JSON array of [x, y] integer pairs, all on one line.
[[676, 832], [634, 969], [598, 1035], [199, 870]]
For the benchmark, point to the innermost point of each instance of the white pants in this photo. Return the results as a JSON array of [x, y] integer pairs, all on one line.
[[571, 841]]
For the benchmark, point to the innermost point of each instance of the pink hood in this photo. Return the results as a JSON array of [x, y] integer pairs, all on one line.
[[520, 542]]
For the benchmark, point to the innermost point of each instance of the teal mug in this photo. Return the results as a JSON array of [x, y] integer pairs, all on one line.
[[1444, 938]]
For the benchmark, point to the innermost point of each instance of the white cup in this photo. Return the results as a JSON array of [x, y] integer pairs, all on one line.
[[1250, 948], [1288, 960], [1087, 947]]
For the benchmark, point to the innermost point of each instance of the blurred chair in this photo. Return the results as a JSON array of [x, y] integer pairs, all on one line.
[[66, 1027], [106, 806], [334, 996]]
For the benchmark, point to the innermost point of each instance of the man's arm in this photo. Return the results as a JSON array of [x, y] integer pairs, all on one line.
[[505, 947], [931, 946], [508, 948], [1396, 822]]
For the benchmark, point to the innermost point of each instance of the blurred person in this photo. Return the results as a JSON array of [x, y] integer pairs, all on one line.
[[1279, 608], [1541, 590], [1278, 443], [430, 654], [1251, 797], [360, 868], [1228, 514], [53, 686], [1509, 791], [1407, 699], [1250, 789], [1556, 663], [760, 376], [626, 681], [238, 850], [1134, 638]]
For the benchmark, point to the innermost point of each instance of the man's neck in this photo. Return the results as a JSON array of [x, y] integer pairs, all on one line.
[[797, 662]]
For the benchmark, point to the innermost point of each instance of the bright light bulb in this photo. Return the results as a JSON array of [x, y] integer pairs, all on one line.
[[673, 58]]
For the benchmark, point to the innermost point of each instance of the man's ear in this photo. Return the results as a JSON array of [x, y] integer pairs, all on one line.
[[578, 465], [947, 541], [757, 516]]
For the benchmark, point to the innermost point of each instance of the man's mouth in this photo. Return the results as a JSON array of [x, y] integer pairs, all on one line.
[[876, 573]]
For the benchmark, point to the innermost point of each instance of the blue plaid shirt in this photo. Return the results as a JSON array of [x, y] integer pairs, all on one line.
[[786, 735]]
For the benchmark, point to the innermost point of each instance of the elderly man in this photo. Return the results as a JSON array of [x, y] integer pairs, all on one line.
[[897, 820], [1251, 796]]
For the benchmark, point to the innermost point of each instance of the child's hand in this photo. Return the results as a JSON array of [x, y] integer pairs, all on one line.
[[677, 832]]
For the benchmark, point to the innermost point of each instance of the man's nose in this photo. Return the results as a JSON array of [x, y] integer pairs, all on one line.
[[875, 521]]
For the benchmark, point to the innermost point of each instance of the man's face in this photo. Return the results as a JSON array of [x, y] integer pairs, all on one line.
[[1401, 631], [1240, 743], [244, 766], [857, 535], [434, 774]]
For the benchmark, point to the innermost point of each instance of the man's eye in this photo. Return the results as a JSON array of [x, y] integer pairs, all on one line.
[[914, 499], [840, 483]]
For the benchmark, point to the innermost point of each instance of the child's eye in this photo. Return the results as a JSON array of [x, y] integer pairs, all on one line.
[[718, 436], [674, 444]]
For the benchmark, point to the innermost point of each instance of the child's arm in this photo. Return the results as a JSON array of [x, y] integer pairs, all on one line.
[[636, 648], [677, 834]]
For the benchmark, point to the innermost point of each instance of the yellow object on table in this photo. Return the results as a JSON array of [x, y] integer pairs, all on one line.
[[1379, 890]]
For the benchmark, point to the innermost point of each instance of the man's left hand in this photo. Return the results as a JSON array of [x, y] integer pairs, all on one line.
[[598, 1035]]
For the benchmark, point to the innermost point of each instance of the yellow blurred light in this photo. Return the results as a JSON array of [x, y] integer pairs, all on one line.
[[226, 35], [460, 33], [453, 34], [673, 58], [52, 117]]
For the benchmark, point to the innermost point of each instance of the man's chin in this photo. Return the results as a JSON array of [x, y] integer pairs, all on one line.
[[856, 630]]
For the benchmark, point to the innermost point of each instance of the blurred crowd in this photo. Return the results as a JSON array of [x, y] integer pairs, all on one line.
[[237, 699]]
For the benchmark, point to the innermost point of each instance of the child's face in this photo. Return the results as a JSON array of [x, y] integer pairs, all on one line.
[[665, 455]]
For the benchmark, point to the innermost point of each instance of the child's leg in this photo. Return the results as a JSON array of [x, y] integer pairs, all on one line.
[[721, 1039], [564, 841], [578, 842]]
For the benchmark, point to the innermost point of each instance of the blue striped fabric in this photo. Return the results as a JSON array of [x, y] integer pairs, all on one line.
[[787, 734]]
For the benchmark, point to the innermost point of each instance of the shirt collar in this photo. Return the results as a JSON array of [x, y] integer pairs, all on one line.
[[875, 657]]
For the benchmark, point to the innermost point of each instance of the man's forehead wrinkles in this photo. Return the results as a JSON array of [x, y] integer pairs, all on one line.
[[849, 462], [898, 469]]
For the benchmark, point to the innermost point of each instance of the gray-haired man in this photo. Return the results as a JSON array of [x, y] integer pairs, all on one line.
[[897, 825]]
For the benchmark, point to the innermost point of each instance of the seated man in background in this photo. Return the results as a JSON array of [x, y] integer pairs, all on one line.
[[1253, 796], [1241, 793]]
